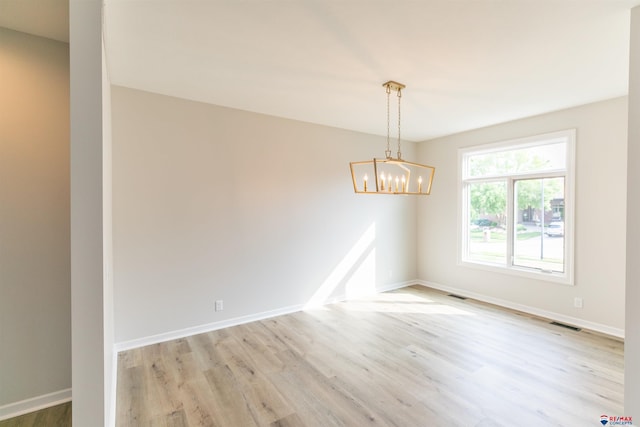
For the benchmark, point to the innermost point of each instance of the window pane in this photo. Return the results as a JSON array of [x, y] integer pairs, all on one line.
[[539, 158], [487, 239], [539, 224]]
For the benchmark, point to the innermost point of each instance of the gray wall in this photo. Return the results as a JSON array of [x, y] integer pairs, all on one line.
[[600, 197], [214, 203], [35, 311]]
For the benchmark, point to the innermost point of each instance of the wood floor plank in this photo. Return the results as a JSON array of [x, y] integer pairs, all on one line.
[[134, 409], [55, 416], [257, 347], [228, 403], [411, 357], [292, 420], [264, 401], [161, 383]]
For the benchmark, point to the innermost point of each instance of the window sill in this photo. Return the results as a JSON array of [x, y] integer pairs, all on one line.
[[560, 278]]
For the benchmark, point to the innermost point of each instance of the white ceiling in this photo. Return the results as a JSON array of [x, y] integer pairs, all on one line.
[[466, 63]]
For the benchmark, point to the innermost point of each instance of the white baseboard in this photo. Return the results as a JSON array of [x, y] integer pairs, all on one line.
[[598, 327], [182, 333], [208, 327], [34, 404]]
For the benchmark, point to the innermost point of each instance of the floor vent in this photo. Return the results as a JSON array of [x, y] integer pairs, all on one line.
[[456, 296], [573, 328]]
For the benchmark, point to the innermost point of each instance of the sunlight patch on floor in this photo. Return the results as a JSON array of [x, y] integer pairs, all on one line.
[[405, 307], [402, 302]]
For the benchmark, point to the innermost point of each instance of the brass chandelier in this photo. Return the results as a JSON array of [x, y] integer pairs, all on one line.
[[391, 175]]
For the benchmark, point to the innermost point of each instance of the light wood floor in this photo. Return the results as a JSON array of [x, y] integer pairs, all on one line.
[[56, 416], [412, 357]]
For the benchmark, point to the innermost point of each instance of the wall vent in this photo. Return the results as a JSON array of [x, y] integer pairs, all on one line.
[[573, 328]]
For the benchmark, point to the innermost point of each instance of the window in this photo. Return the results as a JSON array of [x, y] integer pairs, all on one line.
[[516, 206]]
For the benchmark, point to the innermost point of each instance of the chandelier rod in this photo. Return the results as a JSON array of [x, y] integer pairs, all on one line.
[[388, 150], [399, 98], [389, 86]]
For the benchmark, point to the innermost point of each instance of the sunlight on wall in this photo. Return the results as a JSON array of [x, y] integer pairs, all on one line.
[[363, 279], [356, 272]]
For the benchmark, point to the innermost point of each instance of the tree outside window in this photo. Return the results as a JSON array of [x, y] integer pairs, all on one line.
[[514, 199]]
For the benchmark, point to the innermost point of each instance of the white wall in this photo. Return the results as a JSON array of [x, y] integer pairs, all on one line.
[[91, 343], [110, 354], [632, 339], [601, 150], [214, 203], [35, 290]]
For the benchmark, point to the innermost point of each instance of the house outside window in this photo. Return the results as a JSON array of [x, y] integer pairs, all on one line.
[[516, 206]]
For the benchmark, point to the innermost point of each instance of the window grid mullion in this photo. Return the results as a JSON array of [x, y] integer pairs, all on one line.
[[537, 175]]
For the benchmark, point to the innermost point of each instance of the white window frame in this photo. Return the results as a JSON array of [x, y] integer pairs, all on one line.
[[568, 136]]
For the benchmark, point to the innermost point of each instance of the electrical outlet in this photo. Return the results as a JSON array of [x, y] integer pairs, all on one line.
[[219, 305], [577, 302]]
